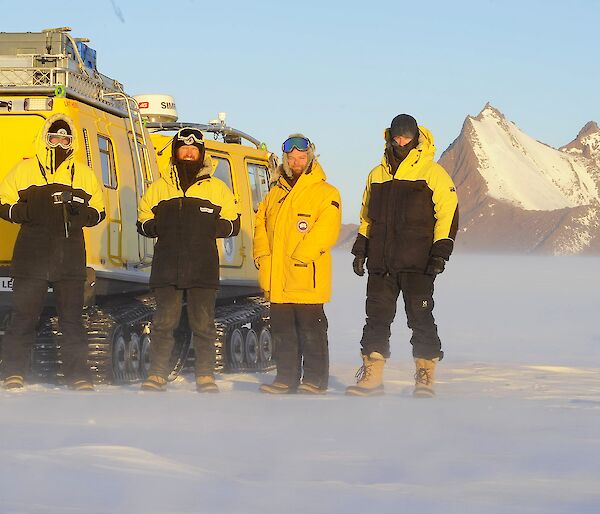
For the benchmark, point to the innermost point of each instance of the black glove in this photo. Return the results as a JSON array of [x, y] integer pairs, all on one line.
[[19, 213], [148, 228], [358, 265], [435, 265]]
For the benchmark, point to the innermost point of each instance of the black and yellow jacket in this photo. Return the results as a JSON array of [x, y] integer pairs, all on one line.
[[407, 214], [294, 232], [42, 249], [187, 226]]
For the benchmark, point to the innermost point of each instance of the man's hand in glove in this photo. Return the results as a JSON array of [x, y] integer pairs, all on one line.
[[358, 265], [19, 213], [435, 265]]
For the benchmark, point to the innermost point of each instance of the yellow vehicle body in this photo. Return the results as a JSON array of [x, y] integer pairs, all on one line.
[[50, 76], [114, 248]]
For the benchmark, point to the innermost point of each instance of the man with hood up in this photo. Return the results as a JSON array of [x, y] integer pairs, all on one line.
[[52, 196], [409, 220], [296, 225], [187, 209]]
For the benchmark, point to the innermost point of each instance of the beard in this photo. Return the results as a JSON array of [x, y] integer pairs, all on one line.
[[187, 172]]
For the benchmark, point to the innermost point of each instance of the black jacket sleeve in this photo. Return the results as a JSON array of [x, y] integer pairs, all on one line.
[[227, 228]]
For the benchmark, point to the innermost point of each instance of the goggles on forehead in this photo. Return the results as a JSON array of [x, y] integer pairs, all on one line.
[[190, 136], [59, 138], [299, 143]]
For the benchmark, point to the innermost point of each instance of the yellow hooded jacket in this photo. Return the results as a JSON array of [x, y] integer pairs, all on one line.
[[295, 230], [42, 249], [408, 214], [187, 225]]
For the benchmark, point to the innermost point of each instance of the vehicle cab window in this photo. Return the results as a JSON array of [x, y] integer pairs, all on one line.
[[259, 183], [107, 161], [223, 171]]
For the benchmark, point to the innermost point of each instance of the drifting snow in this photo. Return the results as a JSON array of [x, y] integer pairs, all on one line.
[[514, 428], [520, 170]]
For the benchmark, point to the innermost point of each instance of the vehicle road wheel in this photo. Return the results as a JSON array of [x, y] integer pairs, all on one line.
[[251, 348], [236, 348], [145, 355], [133, 356], [265, 347], [119, 357]]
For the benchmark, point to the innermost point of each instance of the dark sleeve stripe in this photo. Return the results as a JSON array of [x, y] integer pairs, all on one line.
[[454, 225], [235, 227]]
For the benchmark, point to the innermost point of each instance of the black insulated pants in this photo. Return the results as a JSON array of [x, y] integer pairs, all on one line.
[[28, 301], [201, 316], [382, 296], [301, 347]]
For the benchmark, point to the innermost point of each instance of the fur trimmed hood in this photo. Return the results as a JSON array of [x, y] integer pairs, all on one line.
[[285, 167], [46, 155]]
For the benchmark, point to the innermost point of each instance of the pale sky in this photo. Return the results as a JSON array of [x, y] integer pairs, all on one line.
[[340, 71]]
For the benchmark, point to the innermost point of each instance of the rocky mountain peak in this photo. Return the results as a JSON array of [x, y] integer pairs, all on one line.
[[587, 142], [518, 194]]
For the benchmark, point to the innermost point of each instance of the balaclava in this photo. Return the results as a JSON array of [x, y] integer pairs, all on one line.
[[187, 171], [58, 154], [406, 126]]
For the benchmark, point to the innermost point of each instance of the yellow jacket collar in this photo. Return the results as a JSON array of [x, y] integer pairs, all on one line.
[[425, 150]]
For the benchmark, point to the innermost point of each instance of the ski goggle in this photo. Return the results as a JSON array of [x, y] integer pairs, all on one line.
[[59, 138], [299, 143], [190, 136]]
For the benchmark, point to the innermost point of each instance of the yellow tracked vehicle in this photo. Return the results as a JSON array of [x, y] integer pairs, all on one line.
[[124, 142]]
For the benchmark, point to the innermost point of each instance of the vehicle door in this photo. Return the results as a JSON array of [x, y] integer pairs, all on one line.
[[112, 198], [232, 249]]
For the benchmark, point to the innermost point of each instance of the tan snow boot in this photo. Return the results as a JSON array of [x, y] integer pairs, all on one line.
[[82, 385], [307, 388], [276, 388], [369, 377], [206, 384], [154, 383], [14, 382], [425, 378]]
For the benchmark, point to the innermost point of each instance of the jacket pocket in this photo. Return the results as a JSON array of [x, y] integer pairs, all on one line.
[[418, 205], [298, 275], [264, 272]]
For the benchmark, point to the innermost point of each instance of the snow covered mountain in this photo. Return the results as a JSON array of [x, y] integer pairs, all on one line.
[[520, 195]]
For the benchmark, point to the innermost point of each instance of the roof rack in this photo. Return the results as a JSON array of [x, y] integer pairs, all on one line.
[[53, 63], [215, 128]]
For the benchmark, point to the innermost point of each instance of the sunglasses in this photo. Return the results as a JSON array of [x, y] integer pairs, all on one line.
[[299, 143], [60, 138], [190, 136]]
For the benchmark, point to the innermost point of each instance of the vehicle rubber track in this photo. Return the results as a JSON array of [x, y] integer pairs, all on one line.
[[119, 337], [115, 331], [243, 336]]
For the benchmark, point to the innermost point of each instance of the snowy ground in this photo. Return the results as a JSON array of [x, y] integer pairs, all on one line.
[[514, 428]]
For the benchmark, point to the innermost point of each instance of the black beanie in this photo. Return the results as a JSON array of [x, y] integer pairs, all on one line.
[[404, 125], [59, 124], [186, 132]]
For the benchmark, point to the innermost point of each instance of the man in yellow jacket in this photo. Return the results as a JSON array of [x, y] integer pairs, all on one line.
[[186, 209], [408, 224], [52, 196], [296, 225]]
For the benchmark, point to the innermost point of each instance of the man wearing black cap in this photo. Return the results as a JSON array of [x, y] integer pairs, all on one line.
[[409, 220], [187, 209], [52, 196]]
